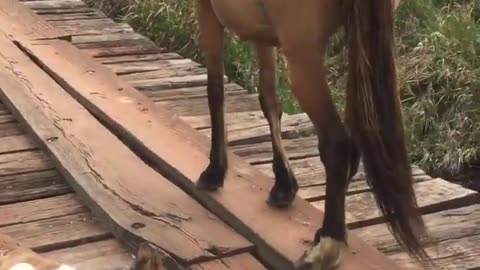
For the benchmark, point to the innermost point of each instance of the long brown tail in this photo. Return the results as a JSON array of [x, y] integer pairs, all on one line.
[[376, 118]]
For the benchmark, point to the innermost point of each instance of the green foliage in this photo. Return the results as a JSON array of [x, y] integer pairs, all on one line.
[[438, 45]]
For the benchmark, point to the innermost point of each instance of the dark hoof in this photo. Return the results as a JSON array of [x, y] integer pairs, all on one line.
[[281, 199], [211, 180]]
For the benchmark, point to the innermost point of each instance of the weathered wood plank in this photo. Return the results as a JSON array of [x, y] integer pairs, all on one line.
[[17, 19], [138, 58], [171, 83], [16, 143], [30, 211], [111, 37], [166, 72], [31, 186], [239, 262], [191, 92], [117, 48], [101, 255], [55, 4], [24, 162], [84, 29], [434, 195], [60, 232], [296, 148], [182, 153], [232, 120], [455, 235], [55, 17], [199, 106], [251, 127], [13, 253], [152, 209], [135, 70], [10, 129]]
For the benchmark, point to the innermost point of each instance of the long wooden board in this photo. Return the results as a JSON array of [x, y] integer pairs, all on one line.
[[181, 152], [136, 202], [17, 19]]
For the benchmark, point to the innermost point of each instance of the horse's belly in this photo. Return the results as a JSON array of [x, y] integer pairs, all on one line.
[[247, 19]]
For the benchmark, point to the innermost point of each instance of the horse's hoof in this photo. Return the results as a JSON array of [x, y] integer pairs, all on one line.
[[281, 199], [211, 180], [326, 255]]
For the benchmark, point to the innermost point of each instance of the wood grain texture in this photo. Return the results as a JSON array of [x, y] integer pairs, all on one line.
[[433, 195], [31, 185], [17, 19], [238, 262], [455, 236], [41, 209], [58, 232], [133, 200], [180, 152]]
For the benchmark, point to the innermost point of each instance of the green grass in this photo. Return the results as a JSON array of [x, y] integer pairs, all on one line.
[[438, 45]]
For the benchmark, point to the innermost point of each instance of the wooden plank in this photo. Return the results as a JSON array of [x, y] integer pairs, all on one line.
[[65, 10], [30, 211], [10, 129], [16, 143], [168, 71], [24, 162], [31, 186], [112, 37], [455, 235], [199, 106], [55, 4], [192, 92], [138, 58], [93, 29], [434, 195], [163, 66], [133, 209], [296, 148], [13, 254], [232, 120], [90, 14], [59, 232], [101, 255], [239, 262], [250, 132], [16, 19], [120, 48], [182, 153], [171, 83]]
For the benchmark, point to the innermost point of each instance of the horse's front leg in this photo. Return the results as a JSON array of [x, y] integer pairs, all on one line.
[[286, 187], [211, 40]]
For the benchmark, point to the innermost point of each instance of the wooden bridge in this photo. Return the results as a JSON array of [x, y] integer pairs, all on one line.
[[102, 135]]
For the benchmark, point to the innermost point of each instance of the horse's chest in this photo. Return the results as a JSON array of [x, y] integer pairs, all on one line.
[[247, 19]]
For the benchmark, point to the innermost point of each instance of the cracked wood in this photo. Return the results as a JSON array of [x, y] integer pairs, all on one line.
[[136, 202], [17, 19]]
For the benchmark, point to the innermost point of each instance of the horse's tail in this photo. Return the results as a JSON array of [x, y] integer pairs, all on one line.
[[376, 118]]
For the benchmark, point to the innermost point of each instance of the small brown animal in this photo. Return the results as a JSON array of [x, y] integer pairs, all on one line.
[[14, 256]]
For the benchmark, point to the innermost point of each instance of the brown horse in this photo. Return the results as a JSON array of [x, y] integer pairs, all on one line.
[[373, 122]]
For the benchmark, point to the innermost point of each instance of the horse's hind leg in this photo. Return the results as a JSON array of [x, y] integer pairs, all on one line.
[[285, 188], [338, 153], [211, 43]]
